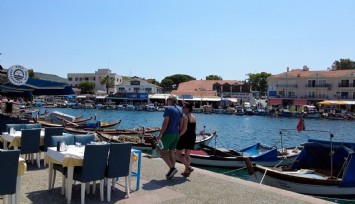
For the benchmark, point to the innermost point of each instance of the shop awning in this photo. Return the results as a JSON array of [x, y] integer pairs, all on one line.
[[38, 87], [300, 102], [332, 102], [233, 100], [275, 101]]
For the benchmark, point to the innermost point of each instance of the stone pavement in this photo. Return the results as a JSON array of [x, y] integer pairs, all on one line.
[[201, 187]]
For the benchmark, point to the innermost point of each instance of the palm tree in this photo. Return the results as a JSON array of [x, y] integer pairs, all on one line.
[[108, 81]]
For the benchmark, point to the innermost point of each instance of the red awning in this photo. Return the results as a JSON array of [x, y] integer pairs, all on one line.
[[300, 102], [275, 101]]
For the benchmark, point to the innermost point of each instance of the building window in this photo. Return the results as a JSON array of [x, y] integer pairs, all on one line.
[[344, 95], [121, 90], [311, 94], [322, 82], [86, 78], [311, 83], [136, 90], [93, 78], [344, 83], [70, 79], [148, 90], [76, 78]]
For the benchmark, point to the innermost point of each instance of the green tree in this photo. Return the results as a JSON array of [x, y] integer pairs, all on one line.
[[344, 64], [31, 73], [153, 81], [258, 82], [87, 87], [172, 82], [213, 77], [108, 81]]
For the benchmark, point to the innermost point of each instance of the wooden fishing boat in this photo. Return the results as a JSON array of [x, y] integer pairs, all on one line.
[[258, 153], [146, 142], [324, 168], [91, 127], [133, 131]]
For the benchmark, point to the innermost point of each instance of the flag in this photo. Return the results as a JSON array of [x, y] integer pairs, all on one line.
[[300, 125]]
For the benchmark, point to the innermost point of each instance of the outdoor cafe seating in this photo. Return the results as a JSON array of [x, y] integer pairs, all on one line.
[[77, 163]]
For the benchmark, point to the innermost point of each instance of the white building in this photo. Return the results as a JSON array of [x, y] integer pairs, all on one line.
[[137, 85], [75, 78]]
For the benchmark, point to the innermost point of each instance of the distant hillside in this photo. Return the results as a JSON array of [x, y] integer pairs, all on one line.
[[50, 77]]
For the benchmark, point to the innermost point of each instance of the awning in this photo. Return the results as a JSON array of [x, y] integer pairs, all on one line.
[[100, 97], [80, 96], [275, 101], [233, 100], [336, 103], [38, 87], [300, 102]]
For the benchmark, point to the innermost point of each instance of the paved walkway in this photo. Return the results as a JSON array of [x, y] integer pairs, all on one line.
[[201, 187]]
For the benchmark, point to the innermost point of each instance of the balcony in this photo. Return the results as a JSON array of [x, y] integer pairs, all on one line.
[[318, 85], [287, 85], [342, 85], [318, 97]]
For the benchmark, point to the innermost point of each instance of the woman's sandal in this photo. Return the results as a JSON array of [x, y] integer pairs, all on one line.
[[185, 174], [191, 170]]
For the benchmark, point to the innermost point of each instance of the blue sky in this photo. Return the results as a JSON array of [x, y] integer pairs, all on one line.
[[159, 38]]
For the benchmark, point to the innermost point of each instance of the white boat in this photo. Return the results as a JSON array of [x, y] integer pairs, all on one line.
[[323, 168]]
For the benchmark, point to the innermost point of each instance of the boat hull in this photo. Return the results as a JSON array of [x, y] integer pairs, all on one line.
[[234, 162], [309, 186]]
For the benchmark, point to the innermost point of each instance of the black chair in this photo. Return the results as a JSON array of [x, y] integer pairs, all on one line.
[[118, 165], [30, 142], [84, 139], [8, 171], [93, 169]]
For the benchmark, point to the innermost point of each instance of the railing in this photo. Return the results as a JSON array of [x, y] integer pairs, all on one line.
[[315, 97], [287, 85], [319, 85], [345, 85]]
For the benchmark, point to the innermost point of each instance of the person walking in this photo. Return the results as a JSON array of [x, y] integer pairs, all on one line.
[[169, 134], [187, 139]]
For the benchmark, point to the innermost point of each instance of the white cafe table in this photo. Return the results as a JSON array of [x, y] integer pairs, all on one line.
[[70, 158], [15, 139]]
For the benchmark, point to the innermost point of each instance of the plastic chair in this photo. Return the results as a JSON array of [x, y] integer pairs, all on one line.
[[32, 126], [137, 173], [94, 165], [8, 172], [49, 132], [118, 165], [84, 139], [30, 141], [68, 140]]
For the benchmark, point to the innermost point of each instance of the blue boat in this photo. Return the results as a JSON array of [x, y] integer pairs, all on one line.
[[323, 168], [258, 153]]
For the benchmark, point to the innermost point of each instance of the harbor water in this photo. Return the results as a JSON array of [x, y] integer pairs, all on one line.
[[235, 132]]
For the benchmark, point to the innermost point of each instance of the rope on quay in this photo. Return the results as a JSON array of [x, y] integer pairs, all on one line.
[[227, 172]]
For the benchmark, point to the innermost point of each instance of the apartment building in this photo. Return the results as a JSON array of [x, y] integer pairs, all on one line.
[[75, 78], [302, 86]]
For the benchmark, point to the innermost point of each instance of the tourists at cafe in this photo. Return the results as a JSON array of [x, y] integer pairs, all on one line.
[[169, 134], [187, 139]]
